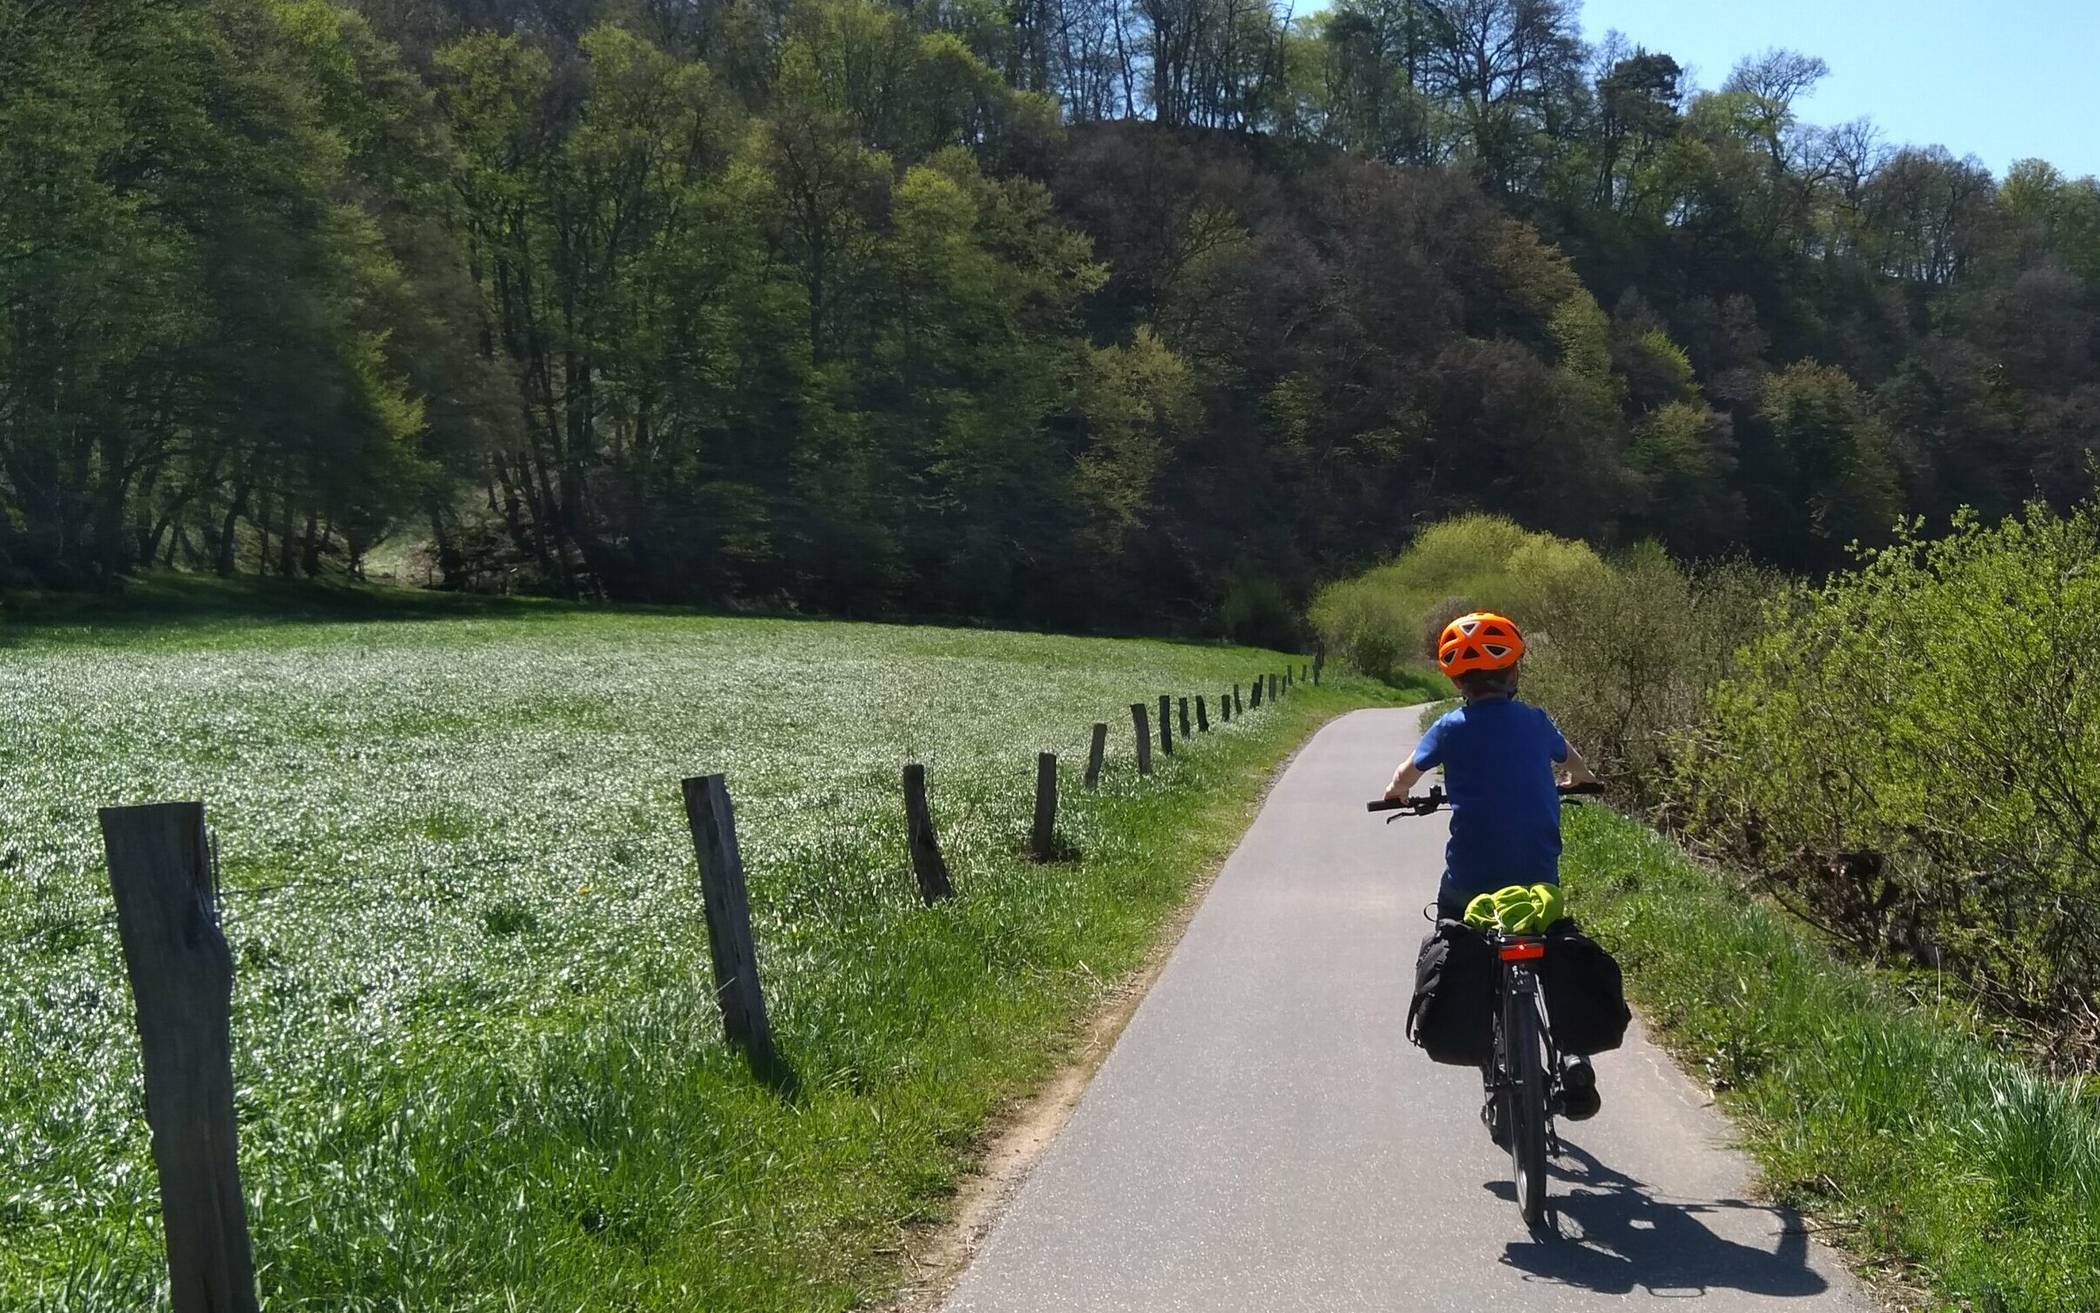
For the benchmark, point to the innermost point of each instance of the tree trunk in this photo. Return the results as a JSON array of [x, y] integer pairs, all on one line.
[[261, 521], [228, 540], [287, 541]]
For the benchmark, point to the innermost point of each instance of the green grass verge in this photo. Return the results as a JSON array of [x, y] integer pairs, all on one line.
[[1908, 1132], [478, 1066]]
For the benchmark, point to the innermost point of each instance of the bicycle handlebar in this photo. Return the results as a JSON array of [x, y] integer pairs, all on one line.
[[1421, 806], [1424, 804]]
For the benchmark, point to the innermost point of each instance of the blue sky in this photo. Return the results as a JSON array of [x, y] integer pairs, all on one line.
[[2000, 81]]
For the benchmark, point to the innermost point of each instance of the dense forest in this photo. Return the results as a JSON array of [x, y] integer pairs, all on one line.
[[1087, 312]]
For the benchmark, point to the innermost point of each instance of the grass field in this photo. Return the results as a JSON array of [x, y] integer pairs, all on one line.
[[1900, 1126], [477, 1062]]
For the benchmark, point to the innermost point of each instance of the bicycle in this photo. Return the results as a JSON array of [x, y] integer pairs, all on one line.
[[1524, 1078]]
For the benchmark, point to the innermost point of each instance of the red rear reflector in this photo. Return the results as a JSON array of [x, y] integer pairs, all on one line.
[[1522, 952]]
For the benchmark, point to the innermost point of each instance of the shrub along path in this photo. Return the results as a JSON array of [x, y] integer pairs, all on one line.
[[1264, 1137], [1910, 1135]]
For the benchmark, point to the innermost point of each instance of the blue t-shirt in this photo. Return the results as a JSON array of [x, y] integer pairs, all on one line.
[[1498, 757]]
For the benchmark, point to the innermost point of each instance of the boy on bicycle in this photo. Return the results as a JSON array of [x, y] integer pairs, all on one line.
[[1502, 760]]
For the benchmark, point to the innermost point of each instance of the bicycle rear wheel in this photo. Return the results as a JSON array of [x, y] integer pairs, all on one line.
[[1526, 1095]]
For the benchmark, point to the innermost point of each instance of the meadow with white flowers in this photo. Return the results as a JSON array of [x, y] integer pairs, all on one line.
[[477, 1063]]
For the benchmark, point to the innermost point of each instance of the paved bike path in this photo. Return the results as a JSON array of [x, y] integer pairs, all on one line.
[[1263, 1138]]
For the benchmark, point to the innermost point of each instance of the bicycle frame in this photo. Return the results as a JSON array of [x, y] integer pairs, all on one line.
[[1518, 980], [1528, 1116]]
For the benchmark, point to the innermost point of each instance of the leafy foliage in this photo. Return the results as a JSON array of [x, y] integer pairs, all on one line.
[[1905, 755], [1624, 651], [1112, 313], [1890, 1113], [1910, 755]]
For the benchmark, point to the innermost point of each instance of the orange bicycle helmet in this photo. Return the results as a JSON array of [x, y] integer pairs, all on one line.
[[1481, 640]]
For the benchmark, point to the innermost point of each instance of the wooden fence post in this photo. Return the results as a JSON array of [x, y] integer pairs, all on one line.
[[1144, 737], [1166, 726], [1202, 716], [1319, 660], [1042, 839], [1093, 754], [160, 872], [1225, 706], [713, 822], [1239, 708], [1255, 698], [926, 860], [1184, 718]]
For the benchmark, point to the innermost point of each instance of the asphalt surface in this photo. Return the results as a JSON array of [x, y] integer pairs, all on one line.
[[1263, 1137]]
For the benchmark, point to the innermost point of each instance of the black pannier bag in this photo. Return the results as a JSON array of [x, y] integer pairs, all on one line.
[[1452, 1015], [1585, 997]]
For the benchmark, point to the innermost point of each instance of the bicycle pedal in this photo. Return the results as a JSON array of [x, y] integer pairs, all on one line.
[[1497, 1132]]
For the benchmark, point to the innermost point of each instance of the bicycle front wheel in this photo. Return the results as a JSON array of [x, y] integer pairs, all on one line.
[[1526, 1095]]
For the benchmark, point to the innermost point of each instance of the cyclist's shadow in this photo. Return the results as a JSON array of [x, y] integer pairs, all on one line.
[[1615, 1236]]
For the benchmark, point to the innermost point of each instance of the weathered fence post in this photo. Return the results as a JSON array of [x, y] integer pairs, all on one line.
[[1225, 706], [1254, 699], [1166, 726], [1093, 754], [1202, 716], [1184, 718], [1272, 686], [1319, 660], [926, 860], [1042, 840], [713, 822], [1144, 737], [1239, 708], [181, 971]]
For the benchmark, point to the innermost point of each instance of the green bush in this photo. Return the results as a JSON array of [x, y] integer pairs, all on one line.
[[1901, 1128], [1255, 611], [1910, 757], [1386, 618], [1627, 655], [1622, 651]]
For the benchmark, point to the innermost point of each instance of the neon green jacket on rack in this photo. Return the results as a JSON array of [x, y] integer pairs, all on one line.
[[1518, 909]]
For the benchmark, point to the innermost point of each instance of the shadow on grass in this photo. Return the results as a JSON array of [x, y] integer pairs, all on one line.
[[778, 1076], [1433, 687], [1615, 1235], [1062, 850], [166, 599], [161, 600]]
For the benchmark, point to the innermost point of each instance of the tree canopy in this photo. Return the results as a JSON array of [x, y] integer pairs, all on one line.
[[1086, 312]]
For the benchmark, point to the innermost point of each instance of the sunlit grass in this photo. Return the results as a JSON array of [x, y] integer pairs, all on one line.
[[476, 1060], [1908, 1131]]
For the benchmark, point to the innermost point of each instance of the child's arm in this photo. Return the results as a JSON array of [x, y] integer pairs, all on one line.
[[1404, 780], [1427, 756], [1575, 770]]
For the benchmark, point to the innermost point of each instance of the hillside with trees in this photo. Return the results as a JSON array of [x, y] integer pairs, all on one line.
[[1131, 313]]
